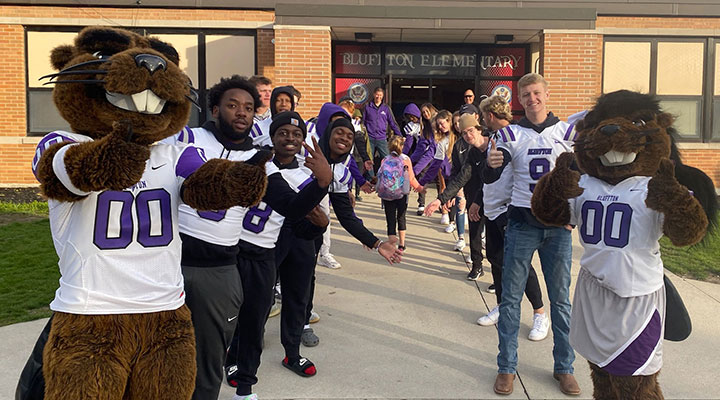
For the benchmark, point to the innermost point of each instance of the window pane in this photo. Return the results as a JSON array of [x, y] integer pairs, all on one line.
[[717, 69], [187, 48], [687, 115], [43, 116], [680, 68], [229, 55], [38, 52], [626, 66], [716, 119]]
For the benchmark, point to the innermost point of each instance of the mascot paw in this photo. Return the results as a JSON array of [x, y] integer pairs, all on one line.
[[249, 181], [120, 161], [260, 158], [663, 188], [563, 179]]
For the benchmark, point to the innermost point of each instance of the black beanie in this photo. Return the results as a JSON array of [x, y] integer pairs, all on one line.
[[287, 118], [342, 122]]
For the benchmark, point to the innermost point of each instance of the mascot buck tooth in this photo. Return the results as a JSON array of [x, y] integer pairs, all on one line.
[[120, 328], [625, 200]]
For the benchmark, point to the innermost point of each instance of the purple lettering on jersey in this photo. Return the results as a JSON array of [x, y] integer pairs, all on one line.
[[256, 225], [596, 234], [102, 220], [49, 140], [510, 133], [190, 160], [538, 168], [307, 182], [623, 233], [568, 132], [216, 216], [145, 221]]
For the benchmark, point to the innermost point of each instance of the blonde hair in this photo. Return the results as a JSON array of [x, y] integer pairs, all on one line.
[[396, 144], [529, 79], [497, 106], [446, 115]]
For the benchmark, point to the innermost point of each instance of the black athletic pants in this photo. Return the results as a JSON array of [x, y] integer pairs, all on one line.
[[214, 296], [495, 249], [475, 230], [395, 214], [258, 279], [295, 259], [308, 309]]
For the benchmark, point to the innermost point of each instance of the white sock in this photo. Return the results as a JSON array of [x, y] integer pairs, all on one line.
[[306, 327]]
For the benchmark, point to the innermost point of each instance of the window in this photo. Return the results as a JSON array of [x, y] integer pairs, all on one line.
[[226, 53], [674, 69]]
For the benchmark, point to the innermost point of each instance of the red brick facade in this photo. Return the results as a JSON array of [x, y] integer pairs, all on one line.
[[301, 56]]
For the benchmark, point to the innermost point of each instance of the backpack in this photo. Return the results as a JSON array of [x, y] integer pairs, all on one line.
[[393, 181]]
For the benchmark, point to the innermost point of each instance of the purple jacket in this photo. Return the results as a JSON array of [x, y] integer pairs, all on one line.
[[377, 119], [424, 153]]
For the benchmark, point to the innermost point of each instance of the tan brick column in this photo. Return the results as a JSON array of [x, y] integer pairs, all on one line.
[[303, 59], [266, 53], [572, 65]]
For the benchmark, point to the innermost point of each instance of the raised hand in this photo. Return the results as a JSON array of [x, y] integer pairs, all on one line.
[[495, 157], [318, 164], [550, 196]]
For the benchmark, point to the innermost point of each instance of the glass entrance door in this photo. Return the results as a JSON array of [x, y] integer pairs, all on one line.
[[444, 93]]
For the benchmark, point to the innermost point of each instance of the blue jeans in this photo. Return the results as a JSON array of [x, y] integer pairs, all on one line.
[[382, 148], [554, 246]]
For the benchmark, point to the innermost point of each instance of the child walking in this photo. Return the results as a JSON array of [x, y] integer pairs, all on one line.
[[395, 178]]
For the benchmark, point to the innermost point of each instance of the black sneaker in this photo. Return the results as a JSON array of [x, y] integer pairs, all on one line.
[[475, 273], [491, 289], [230, 372]]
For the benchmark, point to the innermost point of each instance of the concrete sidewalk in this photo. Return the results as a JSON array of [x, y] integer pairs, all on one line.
[[409, 332]]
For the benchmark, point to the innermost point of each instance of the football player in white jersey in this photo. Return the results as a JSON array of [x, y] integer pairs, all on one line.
[[282, 99], [493, 204], [529, 149]]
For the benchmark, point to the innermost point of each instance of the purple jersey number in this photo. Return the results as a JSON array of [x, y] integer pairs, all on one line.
[[216, 216], [153, 208], [538, 168], [256, 225], [615, 232]]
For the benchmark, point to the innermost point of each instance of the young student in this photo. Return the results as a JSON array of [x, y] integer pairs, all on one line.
[[412, 128], [529, 149], [425, 147], [494, 205], [444, 142], [282, 99], [388, 178], [264, 89]]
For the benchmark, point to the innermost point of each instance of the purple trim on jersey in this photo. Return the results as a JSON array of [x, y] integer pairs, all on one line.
[[569, 131], [502, 135], [190, 160], [189, 137], [639, 351], [510, 133], [255, 131], [344, 174], [49, 140], [307, 182]]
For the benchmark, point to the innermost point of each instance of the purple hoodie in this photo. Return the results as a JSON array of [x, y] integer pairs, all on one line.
[[413, 110], [323, 121], [377, 119]]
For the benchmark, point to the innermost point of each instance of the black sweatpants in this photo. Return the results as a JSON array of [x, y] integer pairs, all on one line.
[[495, 250], [258, 279], [308, 310], [475, 230], [214, 296], [395, 214], [295, 259]]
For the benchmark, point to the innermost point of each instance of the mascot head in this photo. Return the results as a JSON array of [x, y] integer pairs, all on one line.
[[112, 75], [625, 134]]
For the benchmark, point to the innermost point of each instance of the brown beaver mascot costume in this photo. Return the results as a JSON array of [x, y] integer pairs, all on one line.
[[120, 328], [626, 199]]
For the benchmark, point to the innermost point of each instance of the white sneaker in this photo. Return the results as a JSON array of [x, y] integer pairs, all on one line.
[[445, 219], [329, 261], [490, 318], [450, 228], [460, 244], [468, 259], [541, 325]]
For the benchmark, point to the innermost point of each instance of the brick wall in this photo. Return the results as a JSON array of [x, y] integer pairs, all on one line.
[[572, 65], [266, 53], [106, 16], [707, 160], [658, 23], [303, 59]]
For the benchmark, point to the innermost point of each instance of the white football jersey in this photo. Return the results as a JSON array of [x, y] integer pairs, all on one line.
[[219, 226], [619, 234], [260, 133], [533, 155], [497, 195], [261, 225], [119, 251]]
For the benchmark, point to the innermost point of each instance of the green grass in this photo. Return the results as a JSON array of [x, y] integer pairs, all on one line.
[[701, 261], [28, 271], [34, 208]]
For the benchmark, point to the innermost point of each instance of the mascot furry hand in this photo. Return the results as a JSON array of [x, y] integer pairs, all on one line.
[[120, 327], [626, 199]]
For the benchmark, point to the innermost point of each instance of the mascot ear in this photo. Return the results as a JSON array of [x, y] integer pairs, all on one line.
[[665, 120], [60, 56]]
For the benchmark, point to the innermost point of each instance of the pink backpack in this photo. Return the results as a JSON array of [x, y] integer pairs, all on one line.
[[393, 181]]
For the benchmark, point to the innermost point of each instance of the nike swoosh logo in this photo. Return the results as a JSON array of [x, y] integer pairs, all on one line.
[[462, 151], [158, 166], [232, 319], [557, 141], [636, 190]]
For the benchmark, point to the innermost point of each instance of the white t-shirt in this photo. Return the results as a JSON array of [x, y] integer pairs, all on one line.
[[119, 251], [533, 155], [619, 234]]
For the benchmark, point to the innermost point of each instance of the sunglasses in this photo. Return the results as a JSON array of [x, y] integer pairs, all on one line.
[[468, 95]]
